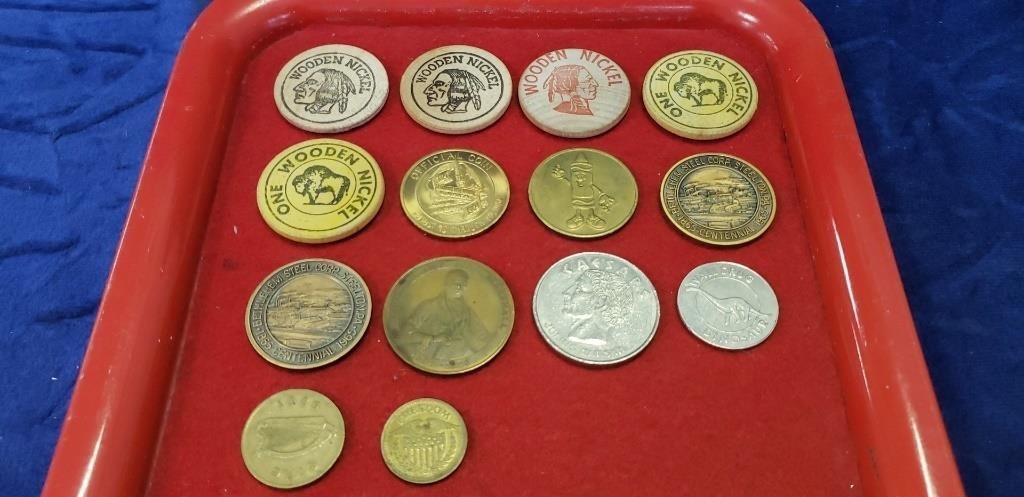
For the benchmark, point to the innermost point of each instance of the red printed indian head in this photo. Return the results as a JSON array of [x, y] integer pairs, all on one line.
[[572, 87]]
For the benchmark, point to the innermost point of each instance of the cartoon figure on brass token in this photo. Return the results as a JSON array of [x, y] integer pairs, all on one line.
[[318, 180], [321, 91], [453, 90], [587, 198], [445, 328], [695, 87], [457, 192], [599, 303], [574, 88]]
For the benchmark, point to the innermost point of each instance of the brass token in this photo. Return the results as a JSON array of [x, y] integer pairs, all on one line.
[[308, 313], [718, 199], [448, 315], [454, 193], [424, 441], [700, 95], [320, 191], [583, 193], [292, 438]]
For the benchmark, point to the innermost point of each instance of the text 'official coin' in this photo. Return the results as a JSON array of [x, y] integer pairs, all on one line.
[[728, 305], [596, 308], [424, 441], [455, 193]]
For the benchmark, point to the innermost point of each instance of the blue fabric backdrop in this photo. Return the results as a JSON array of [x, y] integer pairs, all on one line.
[[935, 87]]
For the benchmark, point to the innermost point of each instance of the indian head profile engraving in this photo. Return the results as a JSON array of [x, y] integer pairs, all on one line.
[[599, 303], [445, 328], [457, 193], [321, 186], [453, 90], [587, 199], [571, 87], [324, 91]]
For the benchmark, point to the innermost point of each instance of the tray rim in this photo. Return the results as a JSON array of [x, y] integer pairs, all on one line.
[[113, 424]]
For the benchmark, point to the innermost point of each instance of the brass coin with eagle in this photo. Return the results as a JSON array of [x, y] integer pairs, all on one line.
[[424, 441]]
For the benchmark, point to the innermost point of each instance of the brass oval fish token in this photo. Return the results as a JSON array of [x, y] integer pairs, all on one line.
[[424, 441], [718, 199], [331, 88], [583, 193], [455, 193], [292, 438], [700, 95], [456, 89], [448, 315], [574, 93], [320, 191]]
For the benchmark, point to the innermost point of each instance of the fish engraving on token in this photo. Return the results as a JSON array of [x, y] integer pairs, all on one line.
[[455, 193], [308, 313], [700, 95], [583, 193], [448, 315], [292, 438], [331, 88], [728, 305], [596, 308], [424, 441], [718, 199]]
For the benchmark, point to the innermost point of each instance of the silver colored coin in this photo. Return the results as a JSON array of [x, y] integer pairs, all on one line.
[[728, 305], [596, 308]]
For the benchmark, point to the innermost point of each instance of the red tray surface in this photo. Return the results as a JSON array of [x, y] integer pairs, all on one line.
[[680, 419]]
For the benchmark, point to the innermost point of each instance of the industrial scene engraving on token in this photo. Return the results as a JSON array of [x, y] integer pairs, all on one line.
[[455, 193], [728, 305], [424, 441]]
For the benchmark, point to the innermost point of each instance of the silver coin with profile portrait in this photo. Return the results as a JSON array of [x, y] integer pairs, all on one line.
[[596, 308], [331, 88]]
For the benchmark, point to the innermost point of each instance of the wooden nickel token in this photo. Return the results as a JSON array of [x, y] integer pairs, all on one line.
[[331, 88], [700, 95], [456, 89], [574, 93], [320, 191]]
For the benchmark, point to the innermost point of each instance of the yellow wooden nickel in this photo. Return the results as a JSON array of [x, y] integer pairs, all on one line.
[[700, 95], [319, 191]]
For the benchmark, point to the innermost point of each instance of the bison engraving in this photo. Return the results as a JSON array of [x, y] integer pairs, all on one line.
[[317, 180], [696, 86]]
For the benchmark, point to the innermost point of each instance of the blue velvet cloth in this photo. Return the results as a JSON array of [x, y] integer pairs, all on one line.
[[935, 86]]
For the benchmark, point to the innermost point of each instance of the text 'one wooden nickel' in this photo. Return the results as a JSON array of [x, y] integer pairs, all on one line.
[[455, 193], [700, 95], [728, 305], [718, 199], [424, 441], [319, 191], [292, 438], [331, 88], [596, 308], [583, 193], [448, 315], [574, 93], [308, 313], [456, 89]]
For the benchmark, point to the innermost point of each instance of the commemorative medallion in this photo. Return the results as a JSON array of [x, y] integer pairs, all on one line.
[[308, 313], [574, 93], [424, 441], [455, 193], [331, 88], [728, 305], [456, 89]]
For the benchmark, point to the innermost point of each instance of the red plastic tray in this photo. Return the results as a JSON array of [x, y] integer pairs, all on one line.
[[837, 402]]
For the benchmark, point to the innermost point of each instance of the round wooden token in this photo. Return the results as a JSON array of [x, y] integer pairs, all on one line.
[[700, 95], [331, 88], [456, 89], [319, 191], [574, 93]]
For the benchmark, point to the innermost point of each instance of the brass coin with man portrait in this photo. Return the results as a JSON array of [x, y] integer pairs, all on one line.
[[448, 315]]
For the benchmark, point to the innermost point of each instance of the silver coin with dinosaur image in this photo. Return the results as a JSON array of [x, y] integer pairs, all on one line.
[[596, 308], [728, 305]]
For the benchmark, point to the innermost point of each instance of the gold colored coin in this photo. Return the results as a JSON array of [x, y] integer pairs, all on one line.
[[718, 199], [700, 95], [448, 315], [455, 193], [320, 191], [583, 193], [424, 441], [292, 438]]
